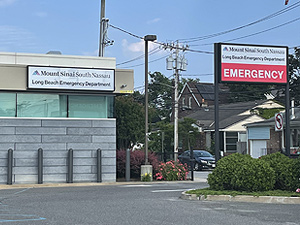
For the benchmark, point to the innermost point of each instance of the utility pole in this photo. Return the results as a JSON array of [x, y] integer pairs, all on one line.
[[101, 40], [180, 65], [176, 105]]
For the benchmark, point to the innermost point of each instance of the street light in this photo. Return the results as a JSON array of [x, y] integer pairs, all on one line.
[[147, 167], [146, 39]]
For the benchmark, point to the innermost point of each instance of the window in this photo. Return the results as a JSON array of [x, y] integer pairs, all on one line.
[[41, 105], [231, 140], [183, 102], [7, 105], [55, 105], [190, 102], [87, 106]]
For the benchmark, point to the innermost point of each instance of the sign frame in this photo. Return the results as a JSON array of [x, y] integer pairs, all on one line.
[[219, 61], [80, 79], [217, 80]]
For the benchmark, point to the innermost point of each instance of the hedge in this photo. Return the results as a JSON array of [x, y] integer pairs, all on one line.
[[242, 173]]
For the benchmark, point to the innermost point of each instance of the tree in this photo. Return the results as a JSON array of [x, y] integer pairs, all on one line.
[[294, 73], [187, 135], [161, 94], [130, 121], [248, 92]]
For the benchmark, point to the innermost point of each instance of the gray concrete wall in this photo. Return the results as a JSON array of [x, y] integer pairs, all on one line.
[[56, 137]]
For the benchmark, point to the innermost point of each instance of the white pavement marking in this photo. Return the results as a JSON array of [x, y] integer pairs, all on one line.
[[173, 190], [138, 185]]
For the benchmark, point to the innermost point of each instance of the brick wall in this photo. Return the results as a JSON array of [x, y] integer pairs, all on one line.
[[56, 137]]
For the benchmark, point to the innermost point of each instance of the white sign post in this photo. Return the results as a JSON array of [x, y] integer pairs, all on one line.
[[278, 122]]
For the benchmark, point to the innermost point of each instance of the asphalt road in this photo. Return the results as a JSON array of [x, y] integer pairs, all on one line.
[[134, 204]]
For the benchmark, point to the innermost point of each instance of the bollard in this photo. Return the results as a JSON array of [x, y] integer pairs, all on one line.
[[9, 166], [40, 166], [127, 175], [99, 166], [70, 166], [192, 163]]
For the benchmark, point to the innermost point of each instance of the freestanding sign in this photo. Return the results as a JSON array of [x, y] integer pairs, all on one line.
[[241, 63], [250, 63]]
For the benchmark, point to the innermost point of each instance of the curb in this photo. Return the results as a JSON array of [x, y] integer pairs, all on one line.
[[242, 198], [53, 185]]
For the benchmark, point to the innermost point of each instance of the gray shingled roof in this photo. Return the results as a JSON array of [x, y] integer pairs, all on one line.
[[228, 114]]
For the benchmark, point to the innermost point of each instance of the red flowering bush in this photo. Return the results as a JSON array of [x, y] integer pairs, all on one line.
[[137, 158], [171, 171]]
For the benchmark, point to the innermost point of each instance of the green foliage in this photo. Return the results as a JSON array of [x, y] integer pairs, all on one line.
[[247, 92], [165, 135], [242, 173], [187, 133], [294, 73], [130, 121], [171, 171], [287, 171], [160, 93], [268, 113], [146, 177]]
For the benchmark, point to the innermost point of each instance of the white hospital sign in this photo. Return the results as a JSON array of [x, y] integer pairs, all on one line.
[[71, 78]]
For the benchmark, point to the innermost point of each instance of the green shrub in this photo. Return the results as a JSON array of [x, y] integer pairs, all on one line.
[[287, 171], [242, 173]]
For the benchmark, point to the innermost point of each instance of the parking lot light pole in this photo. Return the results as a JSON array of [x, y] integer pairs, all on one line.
[[146, 39], [147, 168]]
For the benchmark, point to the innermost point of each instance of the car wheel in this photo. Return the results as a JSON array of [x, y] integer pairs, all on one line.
[[196, 166]]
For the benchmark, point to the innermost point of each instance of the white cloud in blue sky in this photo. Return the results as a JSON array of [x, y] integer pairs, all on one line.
[[156, 20], [15, 38], [137, 47], [6, 2]]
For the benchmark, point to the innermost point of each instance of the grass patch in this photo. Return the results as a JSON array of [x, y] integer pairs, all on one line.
[[207, 191]]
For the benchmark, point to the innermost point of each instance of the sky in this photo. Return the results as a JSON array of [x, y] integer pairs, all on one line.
[[72, 27]]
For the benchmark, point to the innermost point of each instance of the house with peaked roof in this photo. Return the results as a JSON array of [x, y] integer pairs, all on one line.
[[262, 138], [195, 96], [233, 134]]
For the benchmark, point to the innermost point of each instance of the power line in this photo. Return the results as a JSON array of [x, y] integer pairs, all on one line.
[[127, 32], [141, 64], [197, 75], [153, 51], [295, 5], [263, 31]]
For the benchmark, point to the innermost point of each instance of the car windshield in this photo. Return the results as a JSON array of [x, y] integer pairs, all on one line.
[[202, 154]]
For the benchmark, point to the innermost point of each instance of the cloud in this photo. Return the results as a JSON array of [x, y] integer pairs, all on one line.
[[16, 39], [156, 20], [6, 2], [137, 47]]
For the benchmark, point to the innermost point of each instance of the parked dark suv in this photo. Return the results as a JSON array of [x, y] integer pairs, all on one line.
[[203, 159]]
